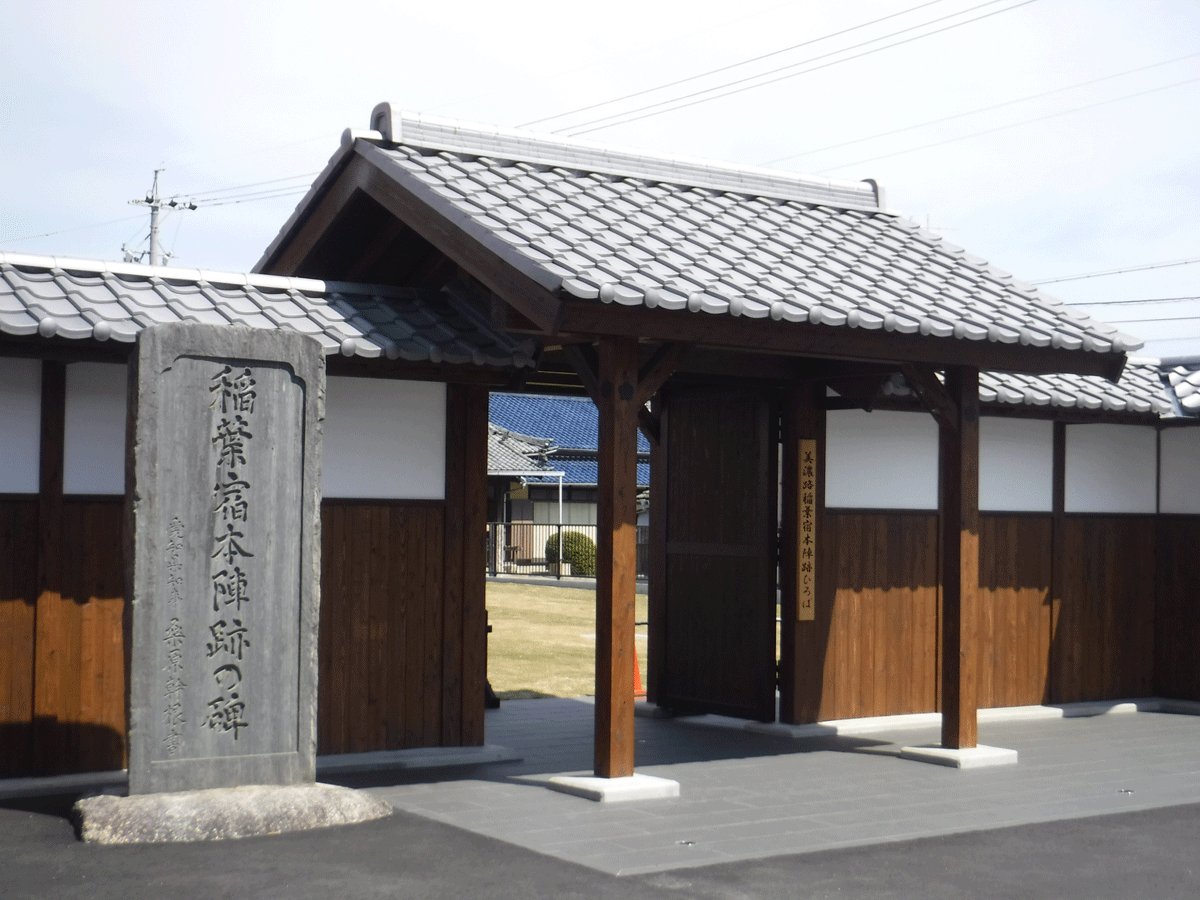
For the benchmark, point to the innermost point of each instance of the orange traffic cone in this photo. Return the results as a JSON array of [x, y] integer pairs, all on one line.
[[638, 690]]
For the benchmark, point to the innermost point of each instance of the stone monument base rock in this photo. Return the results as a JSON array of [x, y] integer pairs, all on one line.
[[222, 813]]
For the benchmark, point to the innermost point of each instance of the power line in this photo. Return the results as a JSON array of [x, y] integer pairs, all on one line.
[[635, 50], [1194, 318], [30, 237], [982, 109], [254, 199], [1140, 300], [1147, 267], [238, 187], [736, 65], [963, 137], [653, 109]]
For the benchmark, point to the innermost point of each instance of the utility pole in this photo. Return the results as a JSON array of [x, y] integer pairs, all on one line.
[[156, 204]]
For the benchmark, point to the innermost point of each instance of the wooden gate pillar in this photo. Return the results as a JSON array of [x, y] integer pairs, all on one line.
[[616, 556], [959, 439], [803, 509]]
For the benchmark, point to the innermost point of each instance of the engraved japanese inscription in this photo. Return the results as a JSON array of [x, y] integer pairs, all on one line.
[[223, 688], [807, 555]]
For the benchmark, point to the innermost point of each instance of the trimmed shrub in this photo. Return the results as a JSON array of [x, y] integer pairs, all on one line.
[[578, 549]]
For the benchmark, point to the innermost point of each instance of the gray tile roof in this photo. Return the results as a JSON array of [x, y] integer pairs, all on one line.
[[1185, 382], [1144, 387], [510, 453], [1139, 390], [90, 299], [638, 229]]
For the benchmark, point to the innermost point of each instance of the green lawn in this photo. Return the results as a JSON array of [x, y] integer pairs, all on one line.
[[543, 641]]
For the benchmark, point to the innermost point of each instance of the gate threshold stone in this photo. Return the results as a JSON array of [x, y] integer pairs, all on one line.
[[612, 790], [218, 814], [979, 757]]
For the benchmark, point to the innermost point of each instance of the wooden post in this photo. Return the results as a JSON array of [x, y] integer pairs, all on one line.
[[1058, 546], [960, 560], [49, 669], [803, 498], [656, 605], [616, 557]]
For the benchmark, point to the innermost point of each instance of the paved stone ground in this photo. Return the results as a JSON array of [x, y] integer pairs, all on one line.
[[748, 796], [817, 818]]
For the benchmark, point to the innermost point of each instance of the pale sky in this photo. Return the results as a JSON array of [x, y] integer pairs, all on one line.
[[1096, 173]]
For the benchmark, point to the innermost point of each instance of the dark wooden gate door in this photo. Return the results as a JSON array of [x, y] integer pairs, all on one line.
[[717, 642]]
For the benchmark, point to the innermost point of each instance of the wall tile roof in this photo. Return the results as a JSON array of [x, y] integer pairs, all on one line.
[[90, 299], [1143, 388], [704, 237], [1140, 390], [1185, 381]]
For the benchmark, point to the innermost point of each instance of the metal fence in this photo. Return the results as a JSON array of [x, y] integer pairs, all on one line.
[[519, 548]]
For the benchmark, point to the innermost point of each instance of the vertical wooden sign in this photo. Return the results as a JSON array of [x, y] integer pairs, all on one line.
[[806, 576]]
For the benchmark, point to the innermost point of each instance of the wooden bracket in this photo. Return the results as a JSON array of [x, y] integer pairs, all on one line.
[[648, 424], [586, 363], [862, 391], [658, 369], [933, 393]]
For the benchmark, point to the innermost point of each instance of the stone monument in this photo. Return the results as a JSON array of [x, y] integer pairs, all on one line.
[[224, 506]]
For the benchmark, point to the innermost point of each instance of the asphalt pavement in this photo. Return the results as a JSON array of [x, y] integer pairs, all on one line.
[[1100, 806]]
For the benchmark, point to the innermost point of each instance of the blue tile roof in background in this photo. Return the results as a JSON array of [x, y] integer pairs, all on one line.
[[583, 471], [571, 422]]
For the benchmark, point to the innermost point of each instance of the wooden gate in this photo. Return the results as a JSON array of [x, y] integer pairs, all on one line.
[[714, 619]]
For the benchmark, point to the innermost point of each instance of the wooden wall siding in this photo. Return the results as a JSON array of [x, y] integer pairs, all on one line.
[[403, 643], [1103, 645], [879, 621], [1014, 615], [62, 655], [1177, 612], [381, 626], [80, 668], [18, 597]]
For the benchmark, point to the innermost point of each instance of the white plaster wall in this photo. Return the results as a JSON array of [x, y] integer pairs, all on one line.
[[1111, 469], [20, 424], [94, 442], [1180, 471], [881, 459], [384, 439], [1016, 464]]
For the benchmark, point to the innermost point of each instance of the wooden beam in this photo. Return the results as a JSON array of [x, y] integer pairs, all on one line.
[[584, 318], [923, 379], [616, 558], [959, 521]]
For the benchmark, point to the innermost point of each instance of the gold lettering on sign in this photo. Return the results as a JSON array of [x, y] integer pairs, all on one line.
[[806, 562]]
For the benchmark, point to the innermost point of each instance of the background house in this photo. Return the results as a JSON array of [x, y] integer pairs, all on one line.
[[569, 424]]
